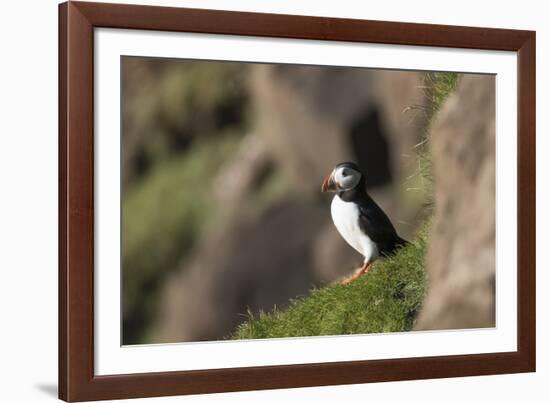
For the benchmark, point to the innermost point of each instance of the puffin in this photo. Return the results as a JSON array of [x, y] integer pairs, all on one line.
[[358, 219]]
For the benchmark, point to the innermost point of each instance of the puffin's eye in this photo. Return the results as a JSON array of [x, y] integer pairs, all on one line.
[[344, 173]]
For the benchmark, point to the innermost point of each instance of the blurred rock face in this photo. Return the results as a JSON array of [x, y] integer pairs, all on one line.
[[315, 117], [461, 257], [167, 103], [250, 263]]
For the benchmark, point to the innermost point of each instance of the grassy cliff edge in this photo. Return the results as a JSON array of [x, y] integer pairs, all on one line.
[[386, 299]]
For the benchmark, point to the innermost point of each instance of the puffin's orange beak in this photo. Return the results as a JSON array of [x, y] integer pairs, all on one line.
[[328, 184]]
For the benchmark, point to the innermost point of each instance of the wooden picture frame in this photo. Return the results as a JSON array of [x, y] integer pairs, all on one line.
[[77, 21]]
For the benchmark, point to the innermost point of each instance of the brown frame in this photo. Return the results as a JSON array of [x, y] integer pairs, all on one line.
[[77, 21]]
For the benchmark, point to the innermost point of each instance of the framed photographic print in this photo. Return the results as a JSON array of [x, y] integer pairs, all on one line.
[[254, 201]]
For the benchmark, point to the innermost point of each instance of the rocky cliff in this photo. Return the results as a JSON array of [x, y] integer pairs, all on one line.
[[461, 253]]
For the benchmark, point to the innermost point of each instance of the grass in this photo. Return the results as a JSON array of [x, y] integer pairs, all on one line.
[[386, 299], [438, 86]]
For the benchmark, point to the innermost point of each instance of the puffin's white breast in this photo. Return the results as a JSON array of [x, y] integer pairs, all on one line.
[[345, 216]]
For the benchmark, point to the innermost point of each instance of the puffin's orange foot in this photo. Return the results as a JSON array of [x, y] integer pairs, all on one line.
[[356, 274]]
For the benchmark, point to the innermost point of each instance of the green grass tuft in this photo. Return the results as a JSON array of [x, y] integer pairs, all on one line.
[[386, 299], [439, 85]]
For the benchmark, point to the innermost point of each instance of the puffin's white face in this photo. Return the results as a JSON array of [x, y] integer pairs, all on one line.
[[346, 178], [341, 178]]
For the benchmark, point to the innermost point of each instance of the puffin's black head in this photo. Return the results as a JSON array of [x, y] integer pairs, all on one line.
[[344, 176]]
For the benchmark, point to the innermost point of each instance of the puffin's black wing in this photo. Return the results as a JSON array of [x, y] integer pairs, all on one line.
[[376, 224]]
